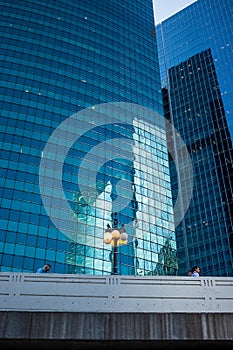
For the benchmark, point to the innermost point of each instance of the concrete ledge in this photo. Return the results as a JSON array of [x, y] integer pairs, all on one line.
[[112, 309], [123, 294]]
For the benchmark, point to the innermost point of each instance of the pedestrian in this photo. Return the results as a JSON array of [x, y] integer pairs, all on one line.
[[196, 271], [44, 269], [190, 273]]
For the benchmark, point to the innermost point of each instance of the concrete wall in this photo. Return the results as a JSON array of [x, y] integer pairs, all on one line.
[[83, 308], [115, 326], [83, 293]]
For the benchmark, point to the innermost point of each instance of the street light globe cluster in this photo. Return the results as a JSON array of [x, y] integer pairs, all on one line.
[[115, 236]]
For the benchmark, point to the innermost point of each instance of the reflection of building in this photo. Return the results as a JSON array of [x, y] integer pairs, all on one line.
[[196, 45], [59, 58], [147, 225]]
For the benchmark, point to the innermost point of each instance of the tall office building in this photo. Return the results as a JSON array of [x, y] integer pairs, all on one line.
[[195, 48], [83, 143]]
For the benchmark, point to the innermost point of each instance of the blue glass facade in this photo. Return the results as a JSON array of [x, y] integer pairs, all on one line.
[[73, 74], [195, 54]]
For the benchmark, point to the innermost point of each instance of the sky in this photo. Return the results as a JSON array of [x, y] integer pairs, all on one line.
[[166, 8]]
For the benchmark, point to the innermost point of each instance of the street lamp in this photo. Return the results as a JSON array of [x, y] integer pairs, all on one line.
[[115, 237]]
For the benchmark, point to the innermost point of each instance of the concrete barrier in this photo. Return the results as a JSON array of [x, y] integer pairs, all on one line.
[[87, 293], [84, 309]]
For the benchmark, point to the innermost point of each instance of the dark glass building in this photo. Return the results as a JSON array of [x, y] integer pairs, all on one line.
[[195, 49], [83, 139]]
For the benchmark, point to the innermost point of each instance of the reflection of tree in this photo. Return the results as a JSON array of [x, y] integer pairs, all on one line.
[[76, 250], [167, 264], [81, 215], [82, 207]]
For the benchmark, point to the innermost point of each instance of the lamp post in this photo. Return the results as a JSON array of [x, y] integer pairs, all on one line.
[[115, 237]]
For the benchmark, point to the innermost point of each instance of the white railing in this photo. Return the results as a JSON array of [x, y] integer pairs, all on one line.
[[87, 293]]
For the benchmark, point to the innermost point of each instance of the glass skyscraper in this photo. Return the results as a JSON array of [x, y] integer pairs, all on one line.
[[195, 48], [83, 139]]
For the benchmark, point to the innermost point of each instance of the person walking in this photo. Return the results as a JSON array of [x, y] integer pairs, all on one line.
[[196, 271], [44, 269]]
